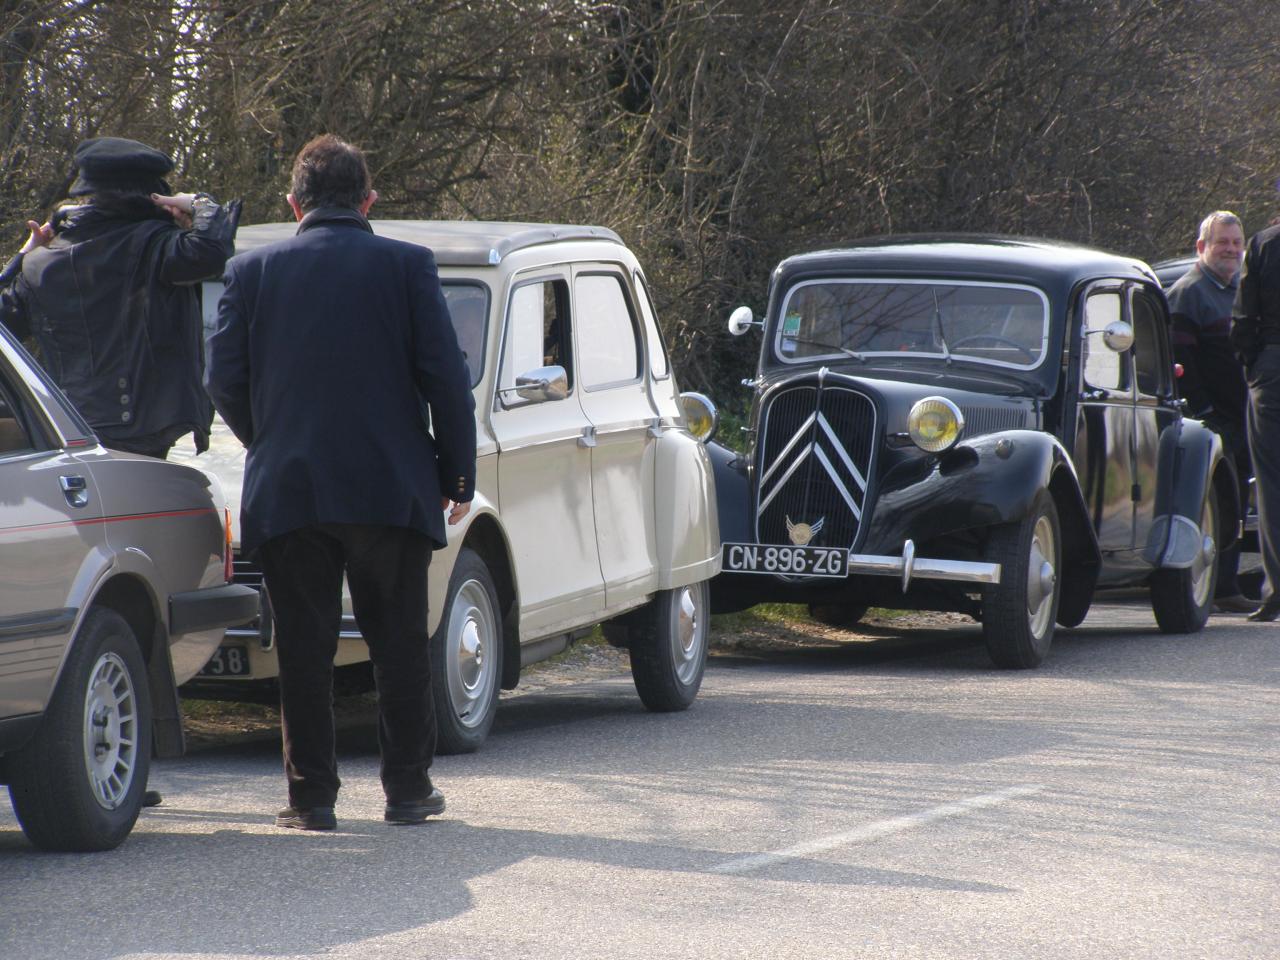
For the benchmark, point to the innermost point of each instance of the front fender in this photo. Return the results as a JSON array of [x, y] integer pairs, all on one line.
[[687, 523]]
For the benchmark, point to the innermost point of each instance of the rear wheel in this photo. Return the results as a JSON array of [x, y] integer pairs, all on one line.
[[668, 645], [1019, 612], [77, 785], [466, 657], [1183, 599]]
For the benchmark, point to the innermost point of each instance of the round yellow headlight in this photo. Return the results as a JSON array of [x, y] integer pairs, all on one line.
[[934, 424]]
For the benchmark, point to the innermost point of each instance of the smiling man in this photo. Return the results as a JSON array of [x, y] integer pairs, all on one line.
[[1212, 381]]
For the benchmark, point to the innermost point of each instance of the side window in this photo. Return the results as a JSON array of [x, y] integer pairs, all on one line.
[[658, 364], [468, 309], [14, 436], [1103, 367], [1151, 363], [609, 350], [537, 333]]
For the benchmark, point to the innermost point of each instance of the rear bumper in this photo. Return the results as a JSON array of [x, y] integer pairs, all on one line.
[[212, 608]]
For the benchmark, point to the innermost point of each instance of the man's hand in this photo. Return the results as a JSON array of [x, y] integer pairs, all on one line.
[[41, 234], [180, 206], [457, 511]]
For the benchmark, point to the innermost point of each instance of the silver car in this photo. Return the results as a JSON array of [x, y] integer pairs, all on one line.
[[594, 500], [114, 588]]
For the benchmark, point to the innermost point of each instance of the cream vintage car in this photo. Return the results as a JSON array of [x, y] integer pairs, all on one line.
[[114, 573], [594, 497]]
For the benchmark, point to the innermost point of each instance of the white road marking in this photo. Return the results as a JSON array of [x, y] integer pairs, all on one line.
[[876, 830]]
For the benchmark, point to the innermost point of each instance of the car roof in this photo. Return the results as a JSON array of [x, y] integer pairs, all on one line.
[[462, 243], [1043, 263]]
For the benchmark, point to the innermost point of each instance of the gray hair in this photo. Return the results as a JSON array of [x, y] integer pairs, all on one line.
[[1218, 216]]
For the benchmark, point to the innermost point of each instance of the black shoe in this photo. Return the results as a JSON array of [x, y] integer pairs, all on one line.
[[1236, 603], [315, 818], [1267, 612], [152, 798], [415, 811]]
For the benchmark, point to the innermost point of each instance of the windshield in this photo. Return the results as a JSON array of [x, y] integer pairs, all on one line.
[[468, 309], [992, 323]]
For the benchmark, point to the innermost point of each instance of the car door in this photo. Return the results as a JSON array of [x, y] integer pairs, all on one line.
[[544, 464], [1153, 411], [1105, 429], [615, 397], [50, 522]]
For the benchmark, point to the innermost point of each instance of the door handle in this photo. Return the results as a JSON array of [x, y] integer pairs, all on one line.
[[588, 438], [74, 489]]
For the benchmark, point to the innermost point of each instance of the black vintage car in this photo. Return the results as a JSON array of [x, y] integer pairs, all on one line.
[[980, 424]]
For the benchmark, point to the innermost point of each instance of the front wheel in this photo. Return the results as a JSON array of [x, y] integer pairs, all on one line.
[[1019, 612], [1183, 599], [466, 657], [668, 644], [77, 785]]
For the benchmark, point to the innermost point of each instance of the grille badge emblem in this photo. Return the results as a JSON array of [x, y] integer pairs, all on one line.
[[802, 533]]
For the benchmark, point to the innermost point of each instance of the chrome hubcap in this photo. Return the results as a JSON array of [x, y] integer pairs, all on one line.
[[110, 731], [1202, 565], [1042, 577], [472, 632], [690, 633]]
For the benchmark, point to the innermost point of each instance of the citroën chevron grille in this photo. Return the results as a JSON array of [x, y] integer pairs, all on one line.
[[814, 464]]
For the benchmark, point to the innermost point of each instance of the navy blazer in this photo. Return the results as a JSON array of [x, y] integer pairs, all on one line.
[[333, 353]]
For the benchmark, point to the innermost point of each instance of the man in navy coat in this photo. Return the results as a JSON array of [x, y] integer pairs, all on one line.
[[332, 357]]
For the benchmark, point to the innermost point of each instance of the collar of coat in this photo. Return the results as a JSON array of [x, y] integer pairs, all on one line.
[[341, 216]]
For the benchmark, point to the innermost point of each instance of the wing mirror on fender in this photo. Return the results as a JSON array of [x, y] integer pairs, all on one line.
[[742, 320]]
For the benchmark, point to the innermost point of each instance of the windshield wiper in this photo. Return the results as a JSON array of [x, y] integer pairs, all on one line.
[[937, 323], [825, 346]]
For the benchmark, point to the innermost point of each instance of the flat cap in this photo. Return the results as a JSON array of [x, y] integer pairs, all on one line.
[[113, 163]]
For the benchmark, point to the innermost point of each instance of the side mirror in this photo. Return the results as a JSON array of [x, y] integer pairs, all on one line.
[[1118, 336], [741, 320], [541, 383], [700, 415]]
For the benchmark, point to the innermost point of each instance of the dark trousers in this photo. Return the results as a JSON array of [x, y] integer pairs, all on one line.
[[1264, 446], [386, 570]]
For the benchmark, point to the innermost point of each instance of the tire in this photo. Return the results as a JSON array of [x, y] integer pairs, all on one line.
[[1019, 612], [668, 645], [1183, 599], [77, 785], [842, 615], [466, 657]]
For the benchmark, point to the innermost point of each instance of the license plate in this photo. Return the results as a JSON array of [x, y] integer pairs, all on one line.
[[229, 660], [792, 561]]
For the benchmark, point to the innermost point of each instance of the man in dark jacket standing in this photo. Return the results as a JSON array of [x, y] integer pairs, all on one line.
[[108, 291], [332, 350], [1212, 381], [1255, 334]]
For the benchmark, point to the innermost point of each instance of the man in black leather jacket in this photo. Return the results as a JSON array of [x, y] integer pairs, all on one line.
[[108, 292]]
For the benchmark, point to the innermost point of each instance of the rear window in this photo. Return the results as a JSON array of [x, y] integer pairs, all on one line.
[[1001, 324]]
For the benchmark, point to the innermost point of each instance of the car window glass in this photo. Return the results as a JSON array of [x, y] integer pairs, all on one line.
[[986, 323], [537, 332], [1151, 364], [653, 333], [1103, 367], [607, 343], [14, 437], [468, 309]]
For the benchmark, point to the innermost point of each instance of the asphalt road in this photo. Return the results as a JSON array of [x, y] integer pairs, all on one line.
[[893, 798]]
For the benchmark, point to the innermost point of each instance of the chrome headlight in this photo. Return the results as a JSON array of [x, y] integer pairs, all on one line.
[[700, 416], [934, 424]]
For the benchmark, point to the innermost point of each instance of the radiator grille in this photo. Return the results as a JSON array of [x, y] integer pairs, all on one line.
[[814, 464]]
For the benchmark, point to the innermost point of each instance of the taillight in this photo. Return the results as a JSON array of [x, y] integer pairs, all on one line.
[[228, 568]]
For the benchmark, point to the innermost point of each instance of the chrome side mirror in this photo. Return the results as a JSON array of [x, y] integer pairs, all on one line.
[[742, 320], [1118, 336], [541, 384], [700, 415]]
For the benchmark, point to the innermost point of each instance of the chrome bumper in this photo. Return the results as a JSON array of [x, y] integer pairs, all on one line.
[[909, 567]]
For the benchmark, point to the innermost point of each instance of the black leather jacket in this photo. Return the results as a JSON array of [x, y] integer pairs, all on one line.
[[112, 306], [1256, 316]]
